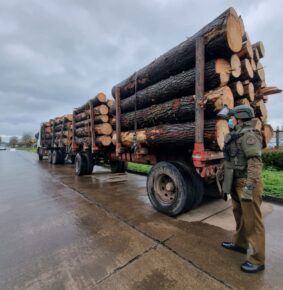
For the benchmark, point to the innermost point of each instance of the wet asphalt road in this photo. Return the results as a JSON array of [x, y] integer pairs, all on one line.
[[58, 231]]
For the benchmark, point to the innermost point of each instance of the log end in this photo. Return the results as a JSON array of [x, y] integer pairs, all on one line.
[[235, 63], [260, 73], [234, 31], [226, 98], [223, 68], [222, 130]]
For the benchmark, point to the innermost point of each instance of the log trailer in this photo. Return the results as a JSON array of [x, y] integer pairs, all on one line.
[[55, 140], [165, 115]]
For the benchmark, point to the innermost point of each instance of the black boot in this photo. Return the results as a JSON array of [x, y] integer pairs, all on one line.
[[248, 267], [233, 247]]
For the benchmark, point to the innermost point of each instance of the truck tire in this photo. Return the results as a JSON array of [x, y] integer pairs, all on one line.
[[117, 166], [56, 157], [170, 189], [61, 157], [50, 156], [80, 164], [198, 183], [89, 163], [39, 153]]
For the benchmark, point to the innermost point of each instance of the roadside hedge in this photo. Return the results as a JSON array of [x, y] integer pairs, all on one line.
[[273, 158]]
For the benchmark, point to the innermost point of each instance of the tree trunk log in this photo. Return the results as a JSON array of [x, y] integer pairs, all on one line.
[[222, 36], [177, 110], [260, 73], [260, 48], [260, 110], [177, 135], [235, 64], [99, 99], [246, 51], [217, 73], [249, 92], [243, 101], [99, 110], [268, 91], [237, 89], [99, 140], [100, 129], [247, 70], [267, 134]]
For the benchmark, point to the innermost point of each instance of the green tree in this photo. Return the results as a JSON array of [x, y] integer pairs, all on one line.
[[27, 139], [13, 141]]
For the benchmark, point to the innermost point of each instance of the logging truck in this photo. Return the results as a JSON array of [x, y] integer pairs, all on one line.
[[165, 114], [55, 140]]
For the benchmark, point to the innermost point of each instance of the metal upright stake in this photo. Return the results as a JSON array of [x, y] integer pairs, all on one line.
[[118, 120], [199, 154]]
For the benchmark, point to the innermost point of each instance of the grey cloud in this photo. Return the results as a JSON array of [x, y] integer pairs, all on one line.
[[54, 55]]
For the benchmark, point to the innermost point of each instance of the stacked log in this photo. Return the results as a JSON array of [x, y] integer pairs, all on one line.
[[92, 122], [158, 102], [57, 132]]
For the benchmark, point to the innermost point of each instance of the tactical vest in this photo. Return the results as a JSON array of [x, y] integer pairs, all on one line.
[[240, 145]]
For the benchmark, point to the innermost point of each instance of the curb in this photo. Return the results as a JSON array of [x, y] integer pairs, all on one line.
[[274, 199]]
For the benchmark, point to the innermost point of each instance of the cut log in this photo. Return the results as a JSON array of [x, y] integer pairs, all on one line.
[[237, 89], [235, 64], [223, 36], [247, 70], [110, 103], [99, 110], [257, 124], [249, 91], [268, 91], [177, 110], [243, 101], [97, 120], [100, 129], [256, 55], [100, 98], [259, 74], [260, 110], [267, 134], [260, 48], [246, 37], [99, 140], [177, 135], [253, 64], [217, 73], [259, 84], [246, 51]]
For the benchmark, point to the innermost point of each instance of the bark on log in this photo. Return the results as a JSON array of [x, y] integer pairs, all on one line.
[[253, 64], [260, 48], [110, 103], [222, 36], [99, 140], [177, 110], [100, 129], [177, 135], [243, 101], [99, 110], [217, 73], [246, 51], [247, 70], [249, 92], [259, 84], [268, 91], [237, 89], [260, 73], [260, 110], [242, 25], [97, 120], [267, 134], [100, 98], [235, 64], [256, 55]]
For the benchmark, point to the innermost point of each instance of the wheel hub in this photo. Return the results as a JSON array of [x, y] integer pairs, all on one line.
[[165, 189]]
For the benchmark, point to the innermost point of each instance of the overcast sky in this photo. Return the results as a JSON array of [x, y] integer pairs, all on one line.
[[55, 55]]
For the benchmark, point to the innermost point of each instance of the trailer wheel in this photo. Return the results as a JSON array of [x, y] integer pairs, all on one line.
[[56, 157], [89, 163], [39, 153], [50, 156], [80, 164], [117, 166], [169, 188], [198, 183]]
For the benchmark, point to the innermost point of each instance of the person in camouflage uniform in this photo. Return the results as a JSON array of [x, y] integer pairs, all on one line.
[[243, 180]]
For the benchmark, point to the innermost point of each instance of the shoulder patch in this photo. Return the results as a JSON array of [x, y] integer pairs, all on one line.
[[251, 140]]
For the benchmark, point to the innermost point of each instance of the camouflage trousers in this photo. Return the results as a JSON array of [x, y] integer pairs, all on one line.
[[249, 223]]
